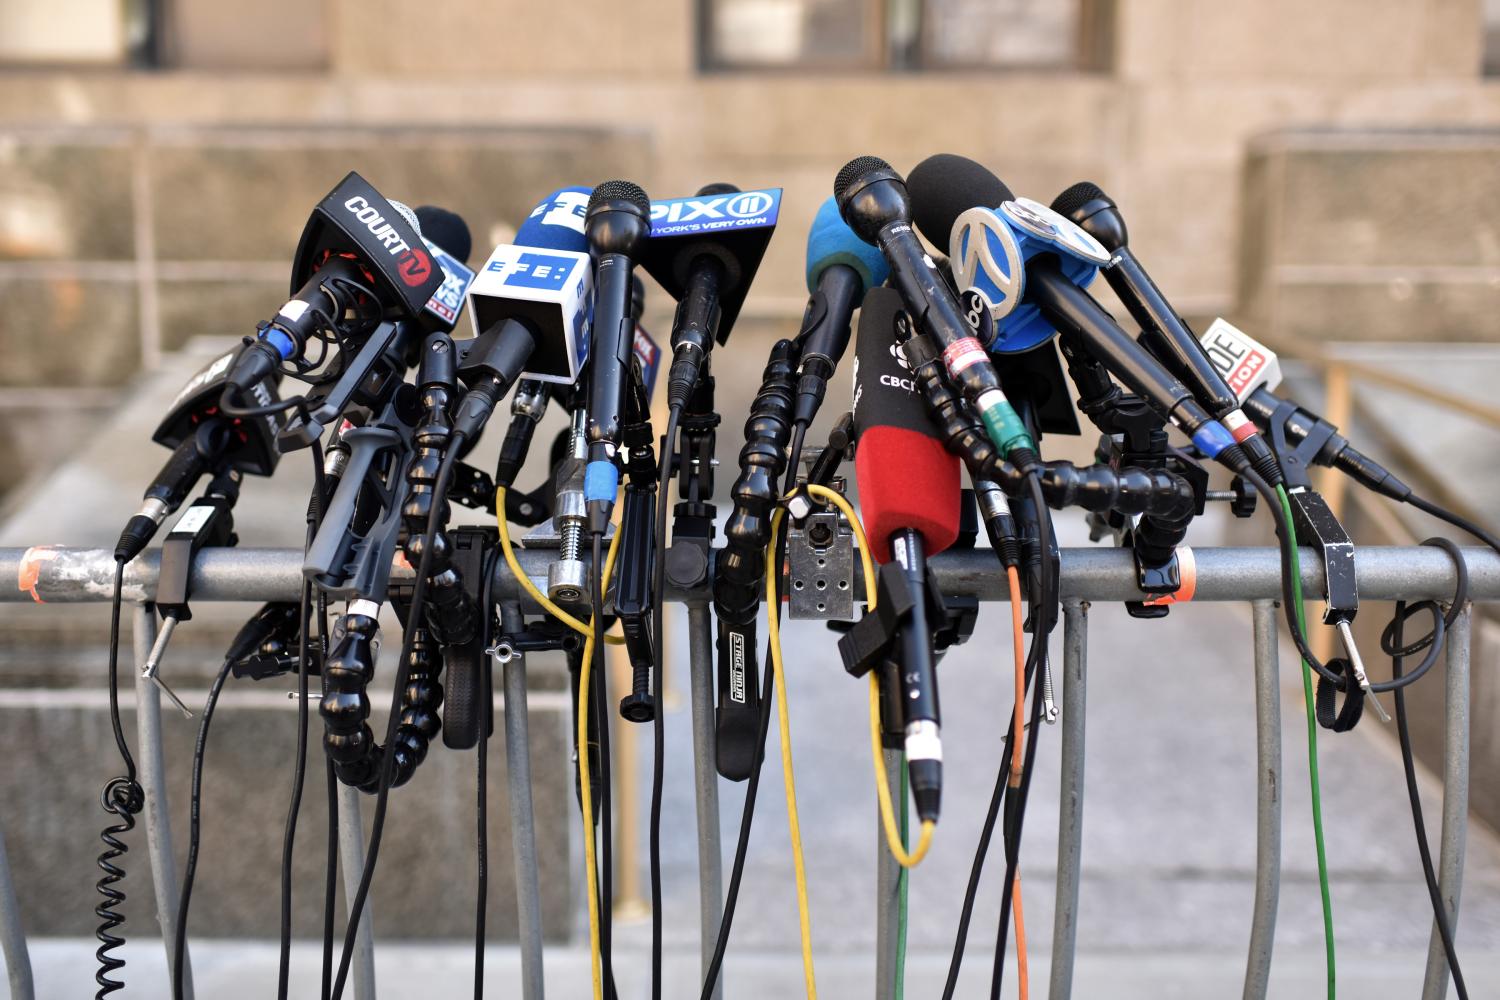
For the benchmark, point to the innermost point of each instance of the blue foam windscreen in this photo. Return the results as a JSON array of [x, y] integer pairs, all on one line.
[[830, 241], [557, 221]]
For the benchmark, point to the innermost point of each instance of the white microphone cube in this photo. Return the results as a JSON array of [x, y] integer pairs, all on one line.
[[552, 291], [1245, 363]]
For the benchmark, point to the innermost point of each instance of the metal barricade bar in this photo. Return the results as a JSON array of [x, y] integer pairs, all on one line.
[[63, 575]]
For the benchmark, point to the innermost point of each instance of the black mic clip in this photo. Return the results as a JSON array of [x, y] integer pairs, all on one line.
[[266, 645], [464, 663]]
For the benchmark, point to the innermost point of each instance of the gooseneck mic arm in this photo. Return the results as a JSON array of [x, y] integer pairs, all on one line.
[[741, 568]]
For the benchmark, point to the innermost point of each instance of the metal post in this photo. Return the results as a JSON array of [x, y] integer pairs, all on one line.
[[1455, 797], [887, 892], [1268, 783], [12, 937], [1070, 806], [706, 785], [352, 855], [153, 775], [522, 815]]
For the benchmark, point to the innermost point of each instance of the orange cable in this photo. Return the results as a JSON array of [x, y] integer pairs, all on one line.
[[1015, 907]]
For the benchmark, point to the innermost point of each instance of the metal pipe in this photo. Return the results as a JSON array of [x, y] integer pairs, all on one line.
[[153, 775], [1455, 797], [1070, 797], [12, 936], [705, 785], [1268, 783], [887, 893], [522, 815], [352, 857], [1383, 573]]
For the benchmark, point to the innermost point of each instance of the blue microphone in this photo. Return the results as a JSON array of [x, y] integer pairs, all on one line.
[[841, 268], [530, 305]]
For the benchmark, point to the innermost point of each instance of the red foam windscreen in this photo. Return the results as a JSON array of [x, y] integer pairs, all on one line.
[[906, 480]]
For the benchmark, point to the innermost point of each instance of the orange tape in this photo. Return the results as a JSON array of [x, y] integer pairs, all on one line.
[[30, 570], [1187, 566]]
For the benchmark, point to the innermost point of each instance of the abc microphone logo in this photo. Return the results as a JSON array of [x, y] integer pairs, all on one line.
[[414, 266]]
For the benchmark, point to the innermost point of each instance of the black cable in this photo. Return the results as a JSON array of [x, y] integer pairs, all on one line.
[[606, 822], [1286, 542], [481, 795], [414, 624], [1440, 624], [229, 408], [981, 851], [331, 847], [299, 768], [122, 797], [752, 786], [1462, 523], [1016, 807], [195, 808], [658, 723], [330, 875]]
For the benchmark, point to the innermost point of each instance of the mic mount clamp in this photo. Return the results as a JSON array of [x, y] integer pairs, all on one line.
[[1316, 525]]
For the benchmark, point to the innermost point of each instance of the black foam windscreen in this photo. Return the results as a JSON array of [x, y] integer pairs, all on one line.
[[946, 185], [447, 229], [884, 393]]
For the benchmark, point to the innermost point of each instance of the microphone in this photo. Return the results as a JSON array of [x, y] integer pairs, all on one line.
[[1063, 303], [203, 440], [359, 254], [529, 305], [873, 200], [841, 269], [1252, 370], [909, 498], [447, 236], [1163, 331], [704, 251], [617, 225]]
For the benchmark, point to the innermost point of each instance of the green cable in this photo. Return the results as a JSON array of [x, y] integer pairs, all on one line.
[[901, 893], [1312, 741]]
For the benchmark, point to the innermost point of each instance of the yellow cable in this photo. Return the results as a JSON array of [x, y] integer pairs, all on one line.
[[531, 588], [773, 627], [882, 786], [586, 792]]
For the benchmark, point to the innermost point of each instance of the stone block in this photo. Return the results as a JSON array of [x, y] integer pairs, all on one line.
[[68, 331], [66, 196]]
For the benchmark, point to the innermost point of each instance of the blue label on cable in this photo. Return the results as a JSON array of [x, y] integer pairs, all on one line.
[[1212, 438], [601, 481]]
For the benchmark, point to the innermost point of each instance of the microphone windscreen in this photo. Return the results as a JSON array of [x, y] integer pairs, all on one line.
[[906, 477], [557, 222], [830, 241], [943, 187], [447, 229]]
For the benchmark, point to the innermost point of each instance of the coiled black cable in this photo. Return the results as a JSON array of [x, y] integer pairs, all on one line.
[[123, 798]]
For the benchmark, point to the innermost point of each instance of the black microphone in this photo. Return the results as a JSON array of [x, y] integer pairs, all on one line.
[[360, 256], [873, 200], [704, 251], [937, 194], [203, 441], [617, 225], [1163, 331]]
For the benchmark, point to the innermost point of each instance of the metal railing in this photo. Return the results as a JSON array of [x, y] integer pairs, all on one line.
[[60, 575]]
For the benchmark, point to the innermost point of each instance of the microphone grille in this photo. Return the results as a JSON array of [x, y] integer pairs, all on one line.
[[407, 214], [621, 191], [1077, 196], [854, 170]]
